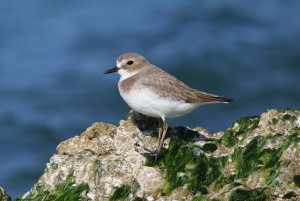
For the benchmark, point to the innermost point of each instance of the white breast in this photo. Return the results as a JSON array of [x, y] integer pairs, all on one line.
[[146, 101]]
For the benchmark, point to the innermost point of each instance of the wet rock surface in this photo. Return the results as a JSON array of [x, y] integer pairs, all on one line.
[[257, 158]]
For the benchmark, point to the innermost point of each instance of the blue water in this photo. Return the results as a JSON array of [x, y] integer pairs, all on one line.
[[53, 53]]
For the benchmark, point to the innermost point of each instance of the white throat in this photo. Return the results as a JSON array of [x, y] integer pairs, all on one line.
[[125, 74]]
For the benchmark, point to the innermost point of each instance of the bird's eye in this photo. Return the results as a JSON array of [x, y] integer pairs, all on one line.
[[129, 62]]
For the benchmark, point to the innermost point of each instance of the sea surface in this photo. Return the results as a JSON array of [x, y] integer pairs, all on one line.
[[53, 54]]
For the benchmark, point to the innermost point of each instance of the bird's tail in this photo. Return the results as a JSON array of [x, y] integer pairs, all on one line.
[[208, 98], [223, 99]]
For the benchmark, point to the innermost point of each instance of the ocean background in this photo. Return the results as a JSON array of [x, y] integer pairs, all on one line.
[[53, 54]]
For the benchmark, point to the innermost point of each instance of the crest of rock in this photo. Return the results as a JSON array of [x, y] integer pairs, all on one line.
[[257, 158], [3, 195]]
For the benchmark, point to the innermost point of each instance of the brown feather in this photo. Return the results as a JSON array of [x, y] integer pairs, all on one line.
[[167, 86]]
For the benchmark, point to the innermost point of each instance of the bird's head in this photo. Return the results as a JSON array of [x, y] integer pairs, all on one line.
[[128, 64]]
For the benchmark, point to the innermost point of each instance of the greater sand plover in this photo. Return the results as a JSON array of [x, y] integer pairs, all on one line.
[[149, 90]]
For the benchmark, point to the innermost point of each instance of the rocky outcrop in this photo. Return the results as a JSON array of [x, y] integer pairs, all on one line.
[[3, 195], [257, 158]]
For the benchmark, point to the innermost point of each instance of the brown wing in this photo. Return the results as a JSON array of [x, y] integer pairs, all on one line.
[[173, 88]]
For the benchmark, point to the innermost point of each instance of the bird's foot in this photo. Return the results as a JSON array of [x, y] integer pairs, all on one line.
[[146, 152], [143, 150]]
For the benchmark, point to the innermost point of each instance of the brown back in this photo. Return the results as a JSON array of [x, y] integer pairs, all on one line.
[[170, 87]]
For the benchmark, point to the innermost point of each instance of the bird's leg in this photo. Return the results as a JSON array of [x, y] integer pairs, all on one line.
[[129, 113], [161, 138], [148, 151], [163, 128], [160, 132]]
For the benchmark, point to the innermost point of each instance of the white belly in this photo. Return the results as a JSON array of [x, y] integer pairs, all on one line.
[[145, 101]]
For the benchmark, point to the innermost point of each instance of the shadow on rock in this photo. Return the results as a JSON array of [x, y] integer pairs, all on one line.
[[149, 127]]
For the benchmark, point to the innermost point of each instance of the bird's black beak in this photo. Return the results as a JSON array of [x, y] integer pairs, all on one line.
[[112, 70]]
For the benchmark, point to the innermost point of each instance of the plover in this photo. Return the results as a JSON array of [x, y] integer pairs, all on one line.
[[149, 90]]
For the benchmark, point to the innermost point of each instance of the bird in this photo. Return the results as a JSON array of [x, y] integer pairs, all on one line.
[[151, 91]]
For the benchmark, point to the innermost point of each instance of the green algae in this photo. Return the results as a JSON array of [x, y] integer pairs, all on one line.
[[254, 156], [247, 158], [203, 198], [288, 109], [288, 117], [209, 147], [289, 195], [150, 160], [296, 180], [241, 127], [274, 121], [223, 180], [295, 131], [96, 167], [140, 199], [271, 156], [200, 198], [66, 190], [271, 174], [120, 193], [255, 194], [53, 166], [187, 164]]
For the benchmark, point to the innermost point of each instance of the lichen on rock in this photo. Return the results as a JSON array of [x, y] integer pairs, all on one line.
[[257, 158]]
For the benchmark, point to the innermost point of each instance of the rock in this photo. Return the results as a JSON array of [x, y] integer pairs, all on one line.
[[3, 195], [257, 158], [149, 179]]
